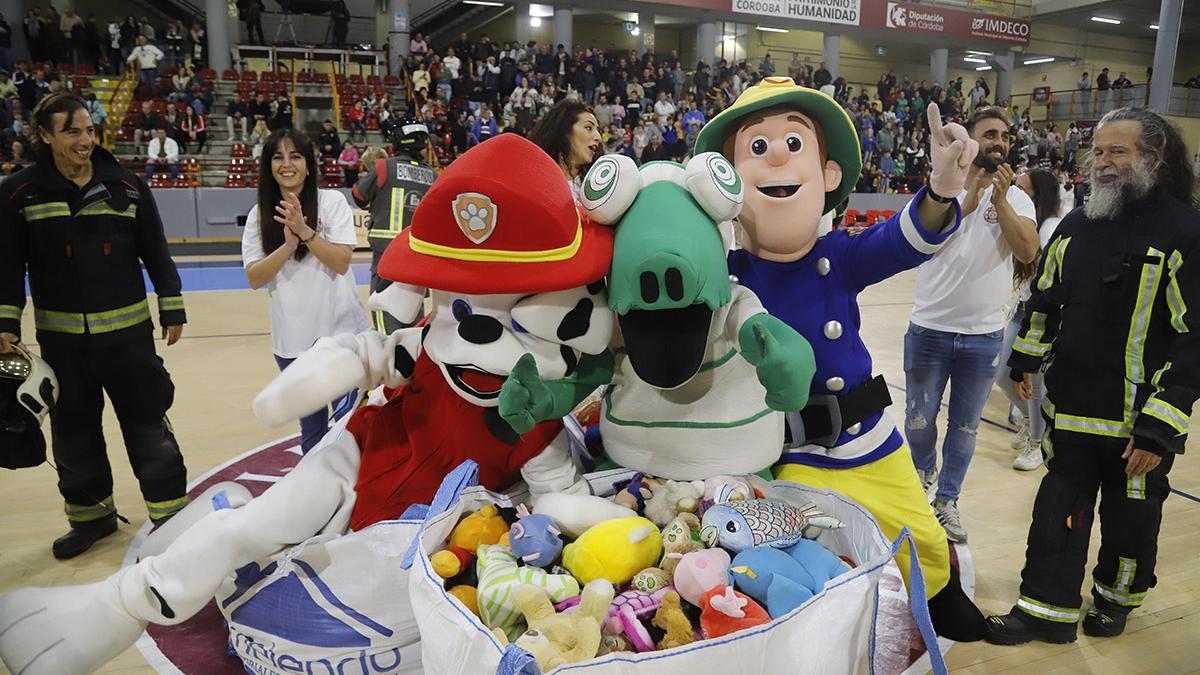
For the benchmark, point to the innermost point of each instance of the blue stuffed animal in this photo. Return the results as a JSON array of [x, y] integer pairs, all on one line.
[[535, 539], [783, 579]]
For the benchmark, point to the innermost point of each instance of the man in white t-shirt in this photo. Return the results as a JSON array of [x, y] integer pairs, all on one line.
[[957, 324], [147, 57]]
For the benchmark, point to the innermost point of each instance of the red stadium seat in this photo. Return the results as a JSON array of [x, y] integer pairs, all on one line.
[[321, 78], [238, 166], [374, 80], [80, 82], [356, 79], [240, 150], [65, 69], [332, 181], [235, 182], [159, 106], [125, 134], [304, 77], [87, 69], [253, 180], [229, 75], [207, 74], [170, 72], [392, 81], [249, 76], [268, 76]]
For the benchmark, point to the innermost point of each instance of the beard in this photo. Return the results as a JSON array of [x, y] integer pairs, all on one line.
[[983, 161], [1107, 201]]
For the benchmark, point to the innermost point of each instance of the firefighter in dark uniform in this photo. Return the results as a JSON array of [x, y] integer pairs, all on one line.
[[1113, 320], [83, 226], [391, 190]]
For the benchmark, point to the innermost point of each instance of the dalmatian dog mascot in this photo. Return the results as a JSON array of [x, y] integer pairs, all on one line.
[[513, 271]]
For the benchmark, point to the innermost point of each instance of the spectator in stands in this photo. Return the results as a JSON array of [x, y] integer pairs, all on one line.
[[194, 127], [1085, 83], [655, 150], [146, 125], [5, 44], [8, 93], [454, 70], [767, 66], [349, 160], [886, 167], [237, 119], [417, 46], [1121, 82], [162, 153], [172, 120], [175, 39], [71, 26], [664, 110], [98, 115], [252, 11], [356, 117], [129, 36], [340, 15], [31, 25], [258, 137], [181, 82], [1193, 82], [146, 29], [822, 76], [281, 117], [260, 108], [485, 127], [197, 47], [298, 242], [1102, 87], [1071, 149], [702, 80], [420, 79], [328, 141], [19, 122], [146, 57], [17, 158]]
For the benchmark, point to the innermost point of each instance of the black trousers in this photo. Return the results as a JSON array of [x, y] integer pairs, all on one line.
[[382, 321], [1130, 515], [125, 366]]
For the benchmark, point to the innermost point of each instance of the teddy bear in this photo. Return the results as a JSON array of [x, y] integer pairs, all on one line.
[[556, 639], [670, 618]]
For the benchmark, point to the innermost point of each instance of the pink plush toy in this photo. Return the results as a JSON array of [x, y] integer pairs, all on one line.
[[624, 615], [700, 571]]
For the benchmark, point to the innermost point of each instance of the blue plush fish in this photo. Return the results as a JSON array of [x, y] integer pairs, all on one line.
[[739, 525]]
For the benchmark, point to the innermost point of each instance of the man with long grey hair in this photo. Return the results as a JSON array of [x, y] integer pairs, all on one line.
[[1113, 322]]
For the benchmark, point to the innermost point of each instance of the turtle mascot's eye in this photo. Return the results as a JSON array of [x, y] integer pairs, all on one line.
[[609, 188], [716, 186]]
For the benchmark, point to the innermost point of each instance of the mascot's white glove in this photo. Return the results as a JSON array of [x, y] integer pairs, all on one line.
[[334, 366], [951, 153]]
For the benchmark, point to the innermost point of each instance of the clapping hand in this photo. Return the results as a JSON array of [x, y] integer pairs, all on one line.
[[291, 215], [1001, 181]]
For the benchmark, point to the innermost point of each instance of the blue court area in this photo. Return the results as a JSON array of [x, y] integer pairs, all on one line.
[[229, 276]]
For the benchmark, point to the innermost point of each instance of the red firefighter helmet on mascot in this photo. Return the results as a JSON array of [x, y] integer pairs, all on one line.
[[480, 232], [28, 389]]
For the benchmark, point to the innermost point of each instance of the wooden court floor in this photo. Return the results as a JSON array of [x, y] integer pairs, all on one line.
[[224, 359]]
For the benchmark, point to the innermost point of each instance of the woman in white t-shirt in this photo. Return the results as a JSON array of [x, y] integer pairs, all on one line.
[[298, 242], [1042, 188]]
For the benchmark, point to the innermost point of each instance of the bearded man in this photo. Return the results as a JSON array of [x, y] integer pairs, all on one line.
[[957, 324], [1112, 318]]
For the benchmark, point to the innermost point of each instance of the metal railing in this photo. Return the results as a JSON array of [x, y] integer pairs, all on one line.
[[1094, 103]]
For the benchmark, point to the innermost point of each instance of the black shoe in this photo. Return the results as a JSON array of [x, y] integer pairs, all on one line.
[[1103, 624], [1017, 627], [954, 615], [82, 536]]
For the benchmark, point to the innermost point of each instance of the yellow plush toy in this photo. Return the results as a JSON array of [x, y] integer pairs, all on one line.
[[614, 549], [556, 639], [485, 526]]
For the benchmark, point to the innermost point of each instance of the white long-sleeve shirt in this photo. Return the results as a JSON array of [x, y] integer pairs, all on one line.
[[170, 146], [147, 56]]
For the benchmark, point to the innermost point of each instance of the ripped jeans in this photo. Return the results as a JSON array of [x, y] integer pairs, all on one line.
[[931, 359]]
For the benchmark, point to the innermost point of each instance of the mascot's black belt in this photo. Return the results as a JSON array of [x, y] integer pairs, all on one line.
[[822, 421]]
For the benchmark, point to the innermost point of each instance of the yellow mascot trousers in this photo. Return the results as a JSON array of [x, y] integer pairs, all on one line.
[[890, 489]]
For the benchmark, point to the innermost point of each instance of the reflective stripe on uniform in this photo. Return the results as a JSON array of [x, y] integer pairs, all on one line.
[[35, 212], [75, 323], [160, 510], [1135, 487], [1139, 321], [1031, 343], [1042, 610], [395, 217], [1168, 413], [1054, 261], [1174, 295], [77, 513], [10, 312], [1092, 425], [103, 209], [1126, 568], [170, 303]]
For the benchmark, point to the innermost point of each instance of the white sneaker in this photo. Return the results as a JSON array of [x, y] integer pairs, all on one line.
[[1030, 458], [1020, 439], [948, 516]]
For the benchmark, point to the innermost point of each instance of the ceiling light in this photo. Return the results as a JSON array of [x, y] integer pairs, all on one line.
[[772, 30], [978, 53], [535, 21], [541, 11], [729, 38], [1153, 26], [486, 3], [984, 68], [1046, 59], [635, 31], [1104, 19], [972, 59]]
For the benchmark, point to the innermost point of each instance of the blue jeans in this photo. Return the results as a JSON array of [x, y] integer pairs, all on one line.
[[1031, 409], [931, 359], [152, 168], [149, 77], [314, 426]]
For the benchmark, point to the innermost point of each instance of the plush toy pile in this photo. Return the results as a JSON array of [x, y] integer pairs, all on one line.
[[660, 564]]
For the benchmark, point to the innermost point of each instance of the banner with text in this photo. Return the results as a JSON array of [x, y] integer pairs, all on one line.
[[930, 19], [846, 12]]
